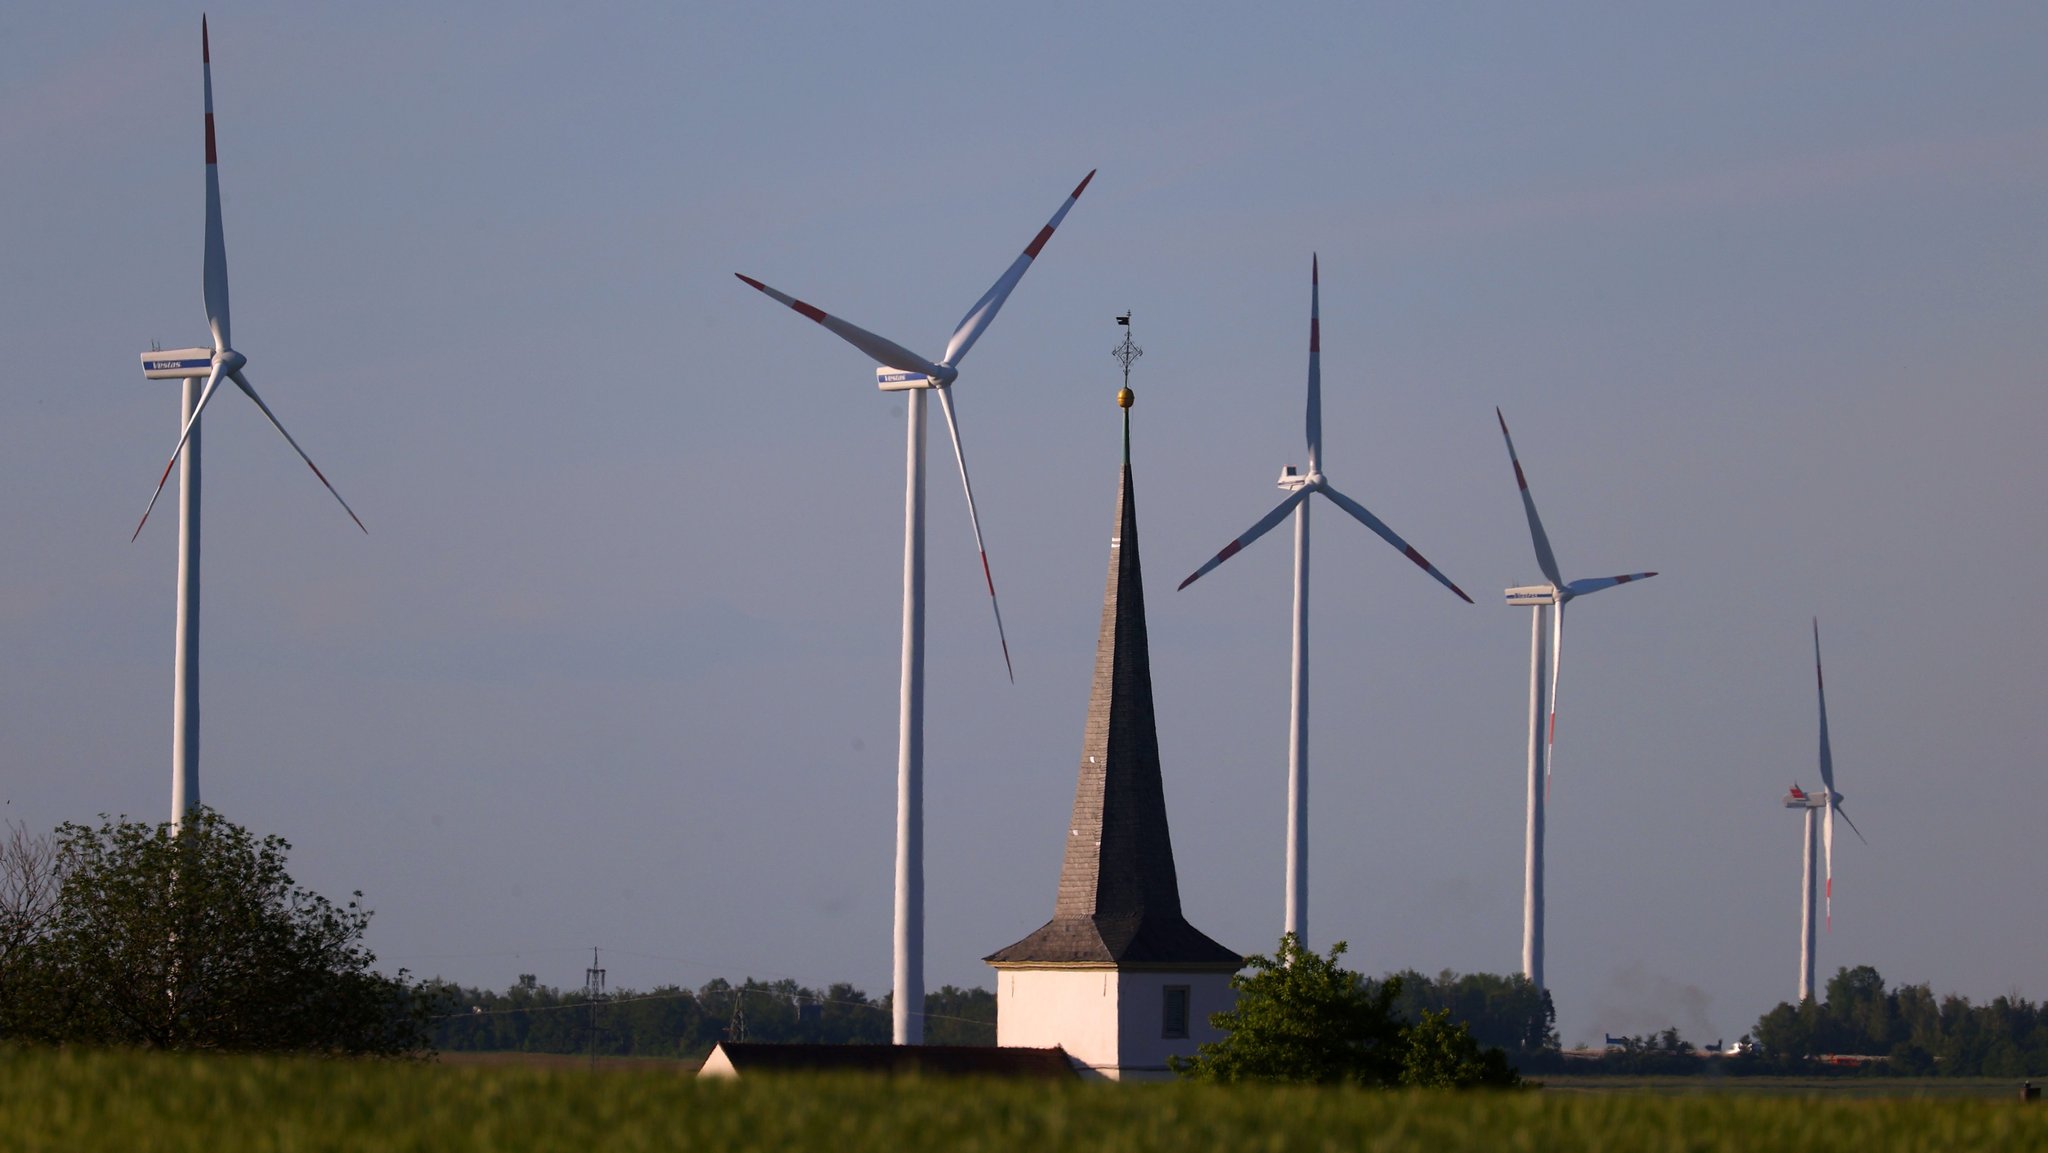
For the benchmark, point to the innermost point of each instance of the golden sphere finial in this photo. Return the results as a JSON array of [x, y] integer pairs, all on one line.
[[1124, 397]]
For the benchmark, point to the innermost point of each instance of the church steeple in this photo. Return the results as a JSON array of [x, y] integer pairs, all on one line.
[[1119, 897]]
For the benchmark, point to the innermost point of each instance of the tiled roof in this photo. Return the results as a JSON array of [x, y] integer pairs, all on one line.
[[1119, 898]]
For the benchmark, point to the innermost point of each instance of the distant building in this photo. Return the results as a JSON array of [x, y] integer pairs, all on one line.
[[1117, 978]]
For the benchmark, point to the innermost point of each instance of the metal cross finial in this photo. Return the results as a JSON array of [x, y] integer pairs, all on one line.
[[1125, 353], [1128, 351]]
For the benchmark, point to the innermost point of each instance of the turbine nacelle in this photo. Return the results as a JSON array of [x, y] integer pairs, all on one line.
[[901, 380], [1293, 481], [1799, 798], [1530, 596], [177, 364]]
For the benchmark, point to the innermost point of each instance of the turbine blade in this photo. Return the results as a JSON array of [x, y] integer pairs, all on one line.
[[216, 260], [184, 434], [984, 311], [953, 426], [1579, 588], [1545, 559], [243, 383], [1556, 658], [880, 348], [1852, 824], [1375, 524], [1265, 525], [1827, 838], [1315, 364], [1827, 755]]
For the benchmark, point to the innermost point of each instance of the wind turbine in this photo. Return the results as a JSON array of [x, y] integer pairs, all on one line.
[[1554, 594], [1829, 803], [193, 365], [1299, 487], [901, 370]]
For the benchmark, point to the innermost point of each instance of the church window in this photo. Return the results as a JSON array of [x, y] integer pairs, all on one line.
[[1175, 1015]]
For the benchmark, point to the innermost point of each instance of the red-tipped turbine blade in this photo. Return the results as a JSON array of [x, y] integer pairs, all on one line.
[[1579, 588], [984, 311], [215, 274], [1545, 559], [881, 349], [953, 426], [243, 383], [1827, 755], [1315, 363], [184, 434], [1264, 526], [1374, 523]]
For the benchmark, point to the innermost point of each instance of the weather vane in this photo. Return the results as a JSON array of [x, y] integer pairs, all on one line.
[[1125, 353]]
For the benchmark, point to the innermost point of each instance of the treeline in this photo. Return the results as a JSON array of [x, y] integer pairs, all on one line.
[[671, 1021], [1916, 1032], [1502, 1012]]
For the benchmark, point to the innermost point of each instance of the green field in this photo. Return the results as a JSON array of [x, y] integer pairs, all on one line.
[[1835, 1088], [140, 1102]]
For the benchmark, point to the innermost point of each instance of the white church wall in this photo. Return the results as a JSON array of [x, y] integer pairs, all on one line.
[[1111, 1022], [1072, 1008], [1143, 1046]]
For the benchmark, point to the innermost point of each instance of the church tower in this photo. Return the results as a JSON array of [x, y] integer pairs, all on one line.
[[1118, 977]]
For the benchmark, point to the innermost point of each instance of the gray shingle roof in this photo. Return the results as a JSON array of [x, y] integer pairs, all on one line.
[[1119, 898]]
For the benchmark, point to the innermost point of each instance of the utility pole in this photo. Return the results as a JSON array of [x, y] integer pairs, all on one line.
[[593, 988], [736, 1029]]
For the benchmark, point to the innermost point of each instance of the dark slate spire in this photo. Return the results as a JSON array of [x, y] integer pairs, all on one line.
[[1119, 899]]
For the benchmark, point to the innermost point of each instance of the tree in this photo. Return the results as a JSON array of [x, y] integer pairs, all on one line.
[[201, 940], [1859, 1012], [30, 872], [1787, 1032], [1442, 1054], [1506, 1011], [959, 1017], [1304, 1018], [1916, 1032]]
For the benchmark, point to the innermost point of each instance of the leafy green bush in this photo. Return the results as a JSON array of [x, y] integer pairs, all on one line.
[[199, 940], [1306, 1019]]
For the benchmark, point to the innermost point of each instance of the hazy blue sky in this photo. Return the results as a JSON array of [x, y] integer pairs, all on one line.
[[1761, 289]]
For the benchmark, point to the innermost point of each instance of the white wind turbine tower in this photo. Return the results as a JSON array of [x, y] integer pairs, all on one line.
[[194, 366], [1542, 700], [1299, 487], [901, 370], [1824, 806]]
